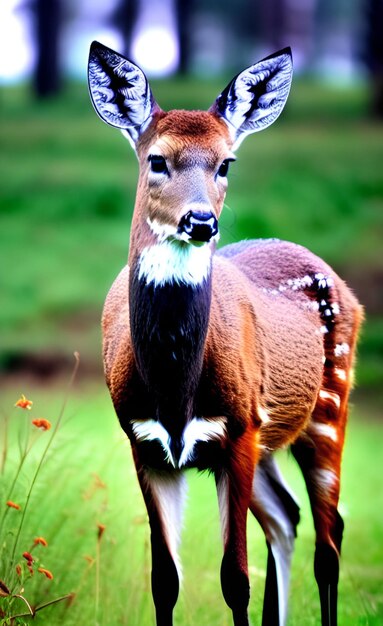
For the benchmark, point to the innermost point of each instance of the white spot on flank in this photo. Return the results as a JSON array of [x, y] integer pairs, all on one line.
[[200, 430], [341, 374], [324, 282], [300, 283], [175, 262], [325, 430], [330, 395], [150, 430], [341, 349], [263, 414]]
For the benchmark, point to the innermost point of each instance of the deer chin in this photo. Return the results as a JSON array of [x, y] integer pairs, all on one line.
[[187, 239]]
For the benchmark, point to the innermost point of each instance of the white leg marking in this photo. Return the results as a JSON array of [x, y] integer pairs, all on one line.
[[150, 430], [200, 430], [223, 503], [277, 528], [325, 479], [330, 395], [325, 430], [169, 490], [175, 262]]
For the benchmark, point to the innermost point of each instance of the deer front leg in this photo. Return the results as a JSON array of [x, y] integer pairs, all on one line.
[[164, 494], [234, 486]]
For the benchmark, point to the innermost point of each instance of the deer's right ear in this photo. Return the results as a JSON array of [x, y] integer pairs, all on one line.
[[119, 91], [254, 99]]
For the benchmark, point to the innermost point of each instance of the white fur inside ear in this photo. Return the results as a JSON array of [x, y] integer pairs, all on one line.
[[119, 91], [257, 96]]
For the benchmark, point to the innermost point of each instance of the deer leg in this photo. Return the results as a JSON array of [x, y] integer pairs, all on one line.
[[276, 510], [164, 494], [234, 486], [319, 456]]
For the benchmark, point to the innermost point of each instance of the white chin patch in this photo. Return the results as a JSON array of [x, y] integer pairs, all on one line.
[[174, 262]]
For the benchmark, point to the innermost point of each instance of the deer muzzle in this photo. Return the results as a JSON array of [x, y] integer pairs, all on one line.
[[198, 226]]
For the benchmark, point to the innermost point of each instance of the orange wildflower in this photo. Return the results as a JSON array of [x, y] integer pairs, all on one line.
[[40, 541], [28, 557], [46, 572], [41, 423], [13, 505], [4, 591], [18, 570], [24, 403], [88, 558], [101, 530]]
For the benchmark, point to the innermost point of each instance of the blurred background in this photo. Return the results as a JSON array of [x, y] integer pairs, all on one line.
[[67, 189], [68, 182]]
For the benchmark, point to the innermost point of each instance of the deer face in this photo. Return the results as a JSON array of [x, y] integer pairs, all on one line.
[[184, 155], [184, 159]]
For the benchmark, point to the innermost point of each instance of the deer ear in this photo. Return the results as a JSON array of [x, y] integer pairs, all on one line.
[[255, 97], [119, 91]]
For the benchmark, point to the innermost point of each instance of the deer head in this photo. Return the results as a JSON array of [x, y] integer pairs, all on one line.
[[184, 156]]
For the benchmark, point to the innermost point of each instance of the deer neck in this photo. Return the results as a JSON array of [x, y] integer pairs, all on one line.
[[169, 300]]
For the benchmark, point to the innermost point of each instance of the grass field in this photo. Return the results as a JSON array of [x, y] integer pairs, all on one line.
[[88, 479], [66, 198]]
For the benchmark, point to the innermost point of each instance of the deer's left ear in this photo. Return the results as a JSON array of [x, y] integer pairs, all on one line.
[[119, 91], [254, 98]]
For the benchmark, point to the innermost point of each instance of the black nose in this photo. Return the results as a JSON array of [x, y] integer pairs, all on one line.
[[199, 226]]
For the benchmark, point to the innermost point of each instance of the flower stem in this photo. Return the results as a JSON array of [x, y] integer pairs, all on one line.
[[45, 452]]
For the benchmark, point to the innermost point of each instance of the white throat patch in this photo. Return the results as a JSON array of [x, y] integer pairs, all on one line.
[[174, 262]]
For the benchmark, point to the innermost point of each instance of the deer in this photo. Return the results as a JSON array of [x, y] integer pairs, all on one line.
[[215, 358]]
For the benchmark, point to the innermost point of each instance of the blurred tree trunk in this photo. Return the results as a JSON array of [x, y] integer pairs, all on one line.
[[184, 10], [124, 18], [374, 53], [47, 80]]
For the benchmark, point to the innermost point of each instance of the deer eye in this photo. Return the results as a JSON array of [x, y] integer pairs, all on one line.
[[224, 168], [157, 164]]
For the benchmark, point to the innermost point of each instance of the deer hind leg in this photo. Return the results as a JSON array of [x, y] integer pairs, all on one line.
[[277, 512], [164, 495], [319, 453]]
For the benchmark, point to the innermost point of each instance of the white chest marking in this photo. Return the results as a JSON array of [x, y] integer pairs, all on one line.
[[198, 429], [175, 262], [151, 430]]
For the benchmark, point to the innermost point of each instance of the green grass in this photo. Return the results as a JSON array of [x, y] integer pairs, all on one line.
[[69, 501]]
